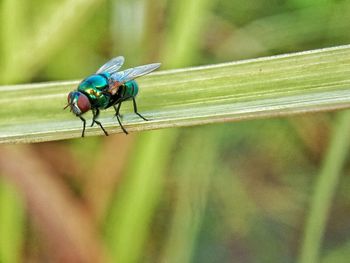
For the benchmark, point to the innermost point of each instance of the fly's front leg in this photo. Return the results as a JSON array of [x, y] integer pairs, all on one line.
[[84, 124], [117, 108]]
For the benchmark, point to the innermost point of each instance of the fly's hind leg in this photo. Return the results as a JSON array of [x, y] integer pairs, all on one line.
[[135, 109], [95, 115], [117, 108]]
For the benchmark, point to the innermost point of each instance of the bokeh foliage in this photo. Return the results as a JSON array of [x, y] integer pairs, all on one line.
[[271, 190]]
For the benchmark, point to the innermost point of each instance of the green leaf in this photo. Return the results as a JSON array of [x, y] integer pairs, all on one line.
[[282, 85]]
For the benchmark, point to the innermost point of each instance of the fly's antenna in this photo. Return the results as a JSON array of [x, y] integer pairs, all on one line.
[[69, 104]]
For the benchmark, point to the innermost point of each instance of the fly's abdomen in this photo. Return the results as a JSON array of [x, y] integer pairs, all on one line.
[[131, 89]]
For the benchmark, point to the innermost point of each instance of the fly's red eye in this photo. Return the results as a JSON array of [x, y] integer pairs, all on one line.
[[83, 103]]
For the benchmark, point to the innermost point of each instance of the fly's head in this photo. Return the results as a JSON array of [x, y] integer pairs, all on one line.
[[78, 103]]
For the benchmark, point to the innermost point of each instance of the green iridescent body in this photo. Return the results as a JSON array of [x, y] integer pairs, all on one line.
[[95, 87], [108, 87]]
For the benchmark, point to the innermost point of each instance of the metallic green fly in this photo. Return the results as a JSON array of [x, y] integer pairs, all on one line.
[[107, 88]]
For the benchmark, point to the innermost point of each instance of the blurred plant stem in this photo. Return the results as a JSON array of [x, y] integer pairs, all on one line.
[[128, 224], [325, 188], [181, 44], [11, 223], [194, 167], [127, 35]]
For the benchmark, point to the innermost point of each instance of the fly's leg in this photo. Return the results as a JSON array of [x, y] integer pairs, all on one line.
[[99, 124], [95, 115], [84, 124], [117, 108], [135, 109]]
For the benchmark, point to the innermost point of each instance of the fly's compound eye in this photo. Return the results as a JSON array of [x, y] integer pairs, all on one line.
[[83, 103], [78, 102]]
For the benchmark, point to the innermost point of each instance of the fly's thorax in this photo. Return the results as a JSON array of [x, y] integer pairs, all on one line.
[[94, 88]]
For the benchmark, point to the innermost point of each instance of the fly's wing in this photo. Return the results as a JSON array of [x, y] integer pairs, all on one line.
[[112, 66], [121, 77]]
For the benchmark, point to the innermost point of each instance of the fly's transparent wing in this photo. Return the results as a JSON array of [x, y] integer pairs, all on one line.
[[112, 66], [132, 73]]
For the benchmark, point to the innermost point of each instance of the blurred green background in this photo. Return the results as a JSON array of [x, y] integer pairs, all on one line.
[[234, 192]]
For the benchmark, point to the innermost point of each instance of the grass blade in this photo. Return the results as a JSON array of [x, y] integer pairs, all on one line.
[[310, 81]]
